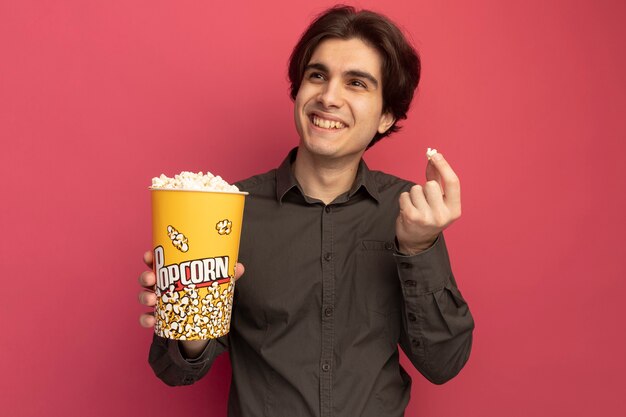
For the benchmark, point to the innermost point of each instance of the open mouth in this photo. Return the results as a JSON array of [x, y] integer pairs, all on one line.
[[325, 123]]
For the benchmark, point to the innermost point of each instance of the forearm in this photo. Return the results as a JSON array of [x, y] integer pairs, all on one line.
[[437, 323], [177, 365]]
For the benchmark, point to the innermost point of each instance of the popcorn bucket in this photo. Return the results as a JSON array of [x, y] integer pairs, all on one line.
[[195, 235]]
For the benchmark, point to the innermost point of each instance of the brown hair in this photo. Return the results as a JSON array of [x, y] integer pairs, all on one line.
[[401, 63]]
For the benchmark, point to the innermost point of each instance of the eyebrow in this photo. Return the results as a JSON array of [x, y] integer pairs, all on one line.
[[349, 73]]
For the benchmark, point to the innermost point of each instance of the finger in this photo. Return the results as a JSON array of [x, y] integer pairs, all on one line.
[[451, 185], [147, 298], [147, 279], [408, 211], [434, 196], [239, 270], [419, 200], [148, 258], [406, 205], [147, 320], [432, 174]]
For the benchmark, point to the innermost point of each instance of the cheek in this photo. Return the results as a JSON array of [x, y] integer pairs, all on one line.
[[300, 101], [369, 112], [298, 114], [305, 92]]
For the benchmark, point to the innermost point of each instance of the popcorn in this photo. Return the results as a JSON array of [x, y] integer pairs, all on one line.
[[191, 181], [430, 153], [224, 227], [201, 312], [179, 240]]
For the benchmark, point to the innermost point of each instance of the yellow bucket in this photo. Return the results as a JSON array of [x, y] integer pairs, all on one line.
[[195, 236]]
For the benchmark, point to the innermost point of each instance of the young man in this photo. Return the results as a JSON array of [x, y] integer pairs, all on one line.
[[343, 264]]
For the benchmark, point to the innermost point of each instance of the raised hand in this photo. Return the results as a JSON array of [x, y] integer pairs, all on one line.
[[427, 210]]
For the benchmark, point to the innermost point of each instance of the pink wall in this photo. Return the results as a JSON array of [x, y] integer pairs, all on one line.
[[526, 99]]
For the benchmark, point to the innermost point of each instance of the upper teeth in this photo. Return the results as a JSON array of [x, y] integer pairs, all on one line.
[[327, 124]]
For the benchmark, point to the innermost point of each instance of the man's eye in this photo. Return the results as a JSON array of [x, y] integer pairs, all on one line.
[[316, 76], [358, 83]]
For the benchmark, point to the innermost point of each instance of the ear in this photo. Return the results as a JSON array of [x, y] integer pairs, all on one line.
[[386, 121]]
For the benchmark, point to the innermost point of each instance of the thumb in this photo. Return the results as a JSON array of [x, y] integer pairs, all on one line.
[[239, 270]]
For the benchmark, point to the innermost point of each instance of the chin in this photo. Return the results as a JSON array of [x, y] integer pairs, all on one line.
[[319, 149]]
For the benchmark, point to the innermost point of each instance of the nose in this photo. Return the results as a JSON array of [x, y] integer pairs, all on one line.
[[331, 94]]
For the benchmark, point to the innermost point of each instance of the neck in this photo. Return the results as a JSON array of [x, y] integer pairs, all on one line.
[[325, 179]]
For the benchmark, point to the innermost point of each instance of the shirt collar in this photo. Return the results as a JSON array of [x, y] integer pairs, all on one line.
[[285, 180]]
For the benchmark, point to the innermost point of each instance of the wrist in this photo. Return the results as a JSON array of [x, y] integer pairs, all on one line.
[[410, 250]]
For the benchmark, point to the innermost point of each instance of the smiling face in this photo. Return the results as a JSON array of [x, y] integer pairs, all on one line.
[[338, 108]]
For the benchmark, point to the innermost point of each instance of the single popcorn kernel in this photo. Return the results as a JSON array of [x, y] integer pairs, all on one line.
[[430, 153], [179, 240], [224, 227]]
